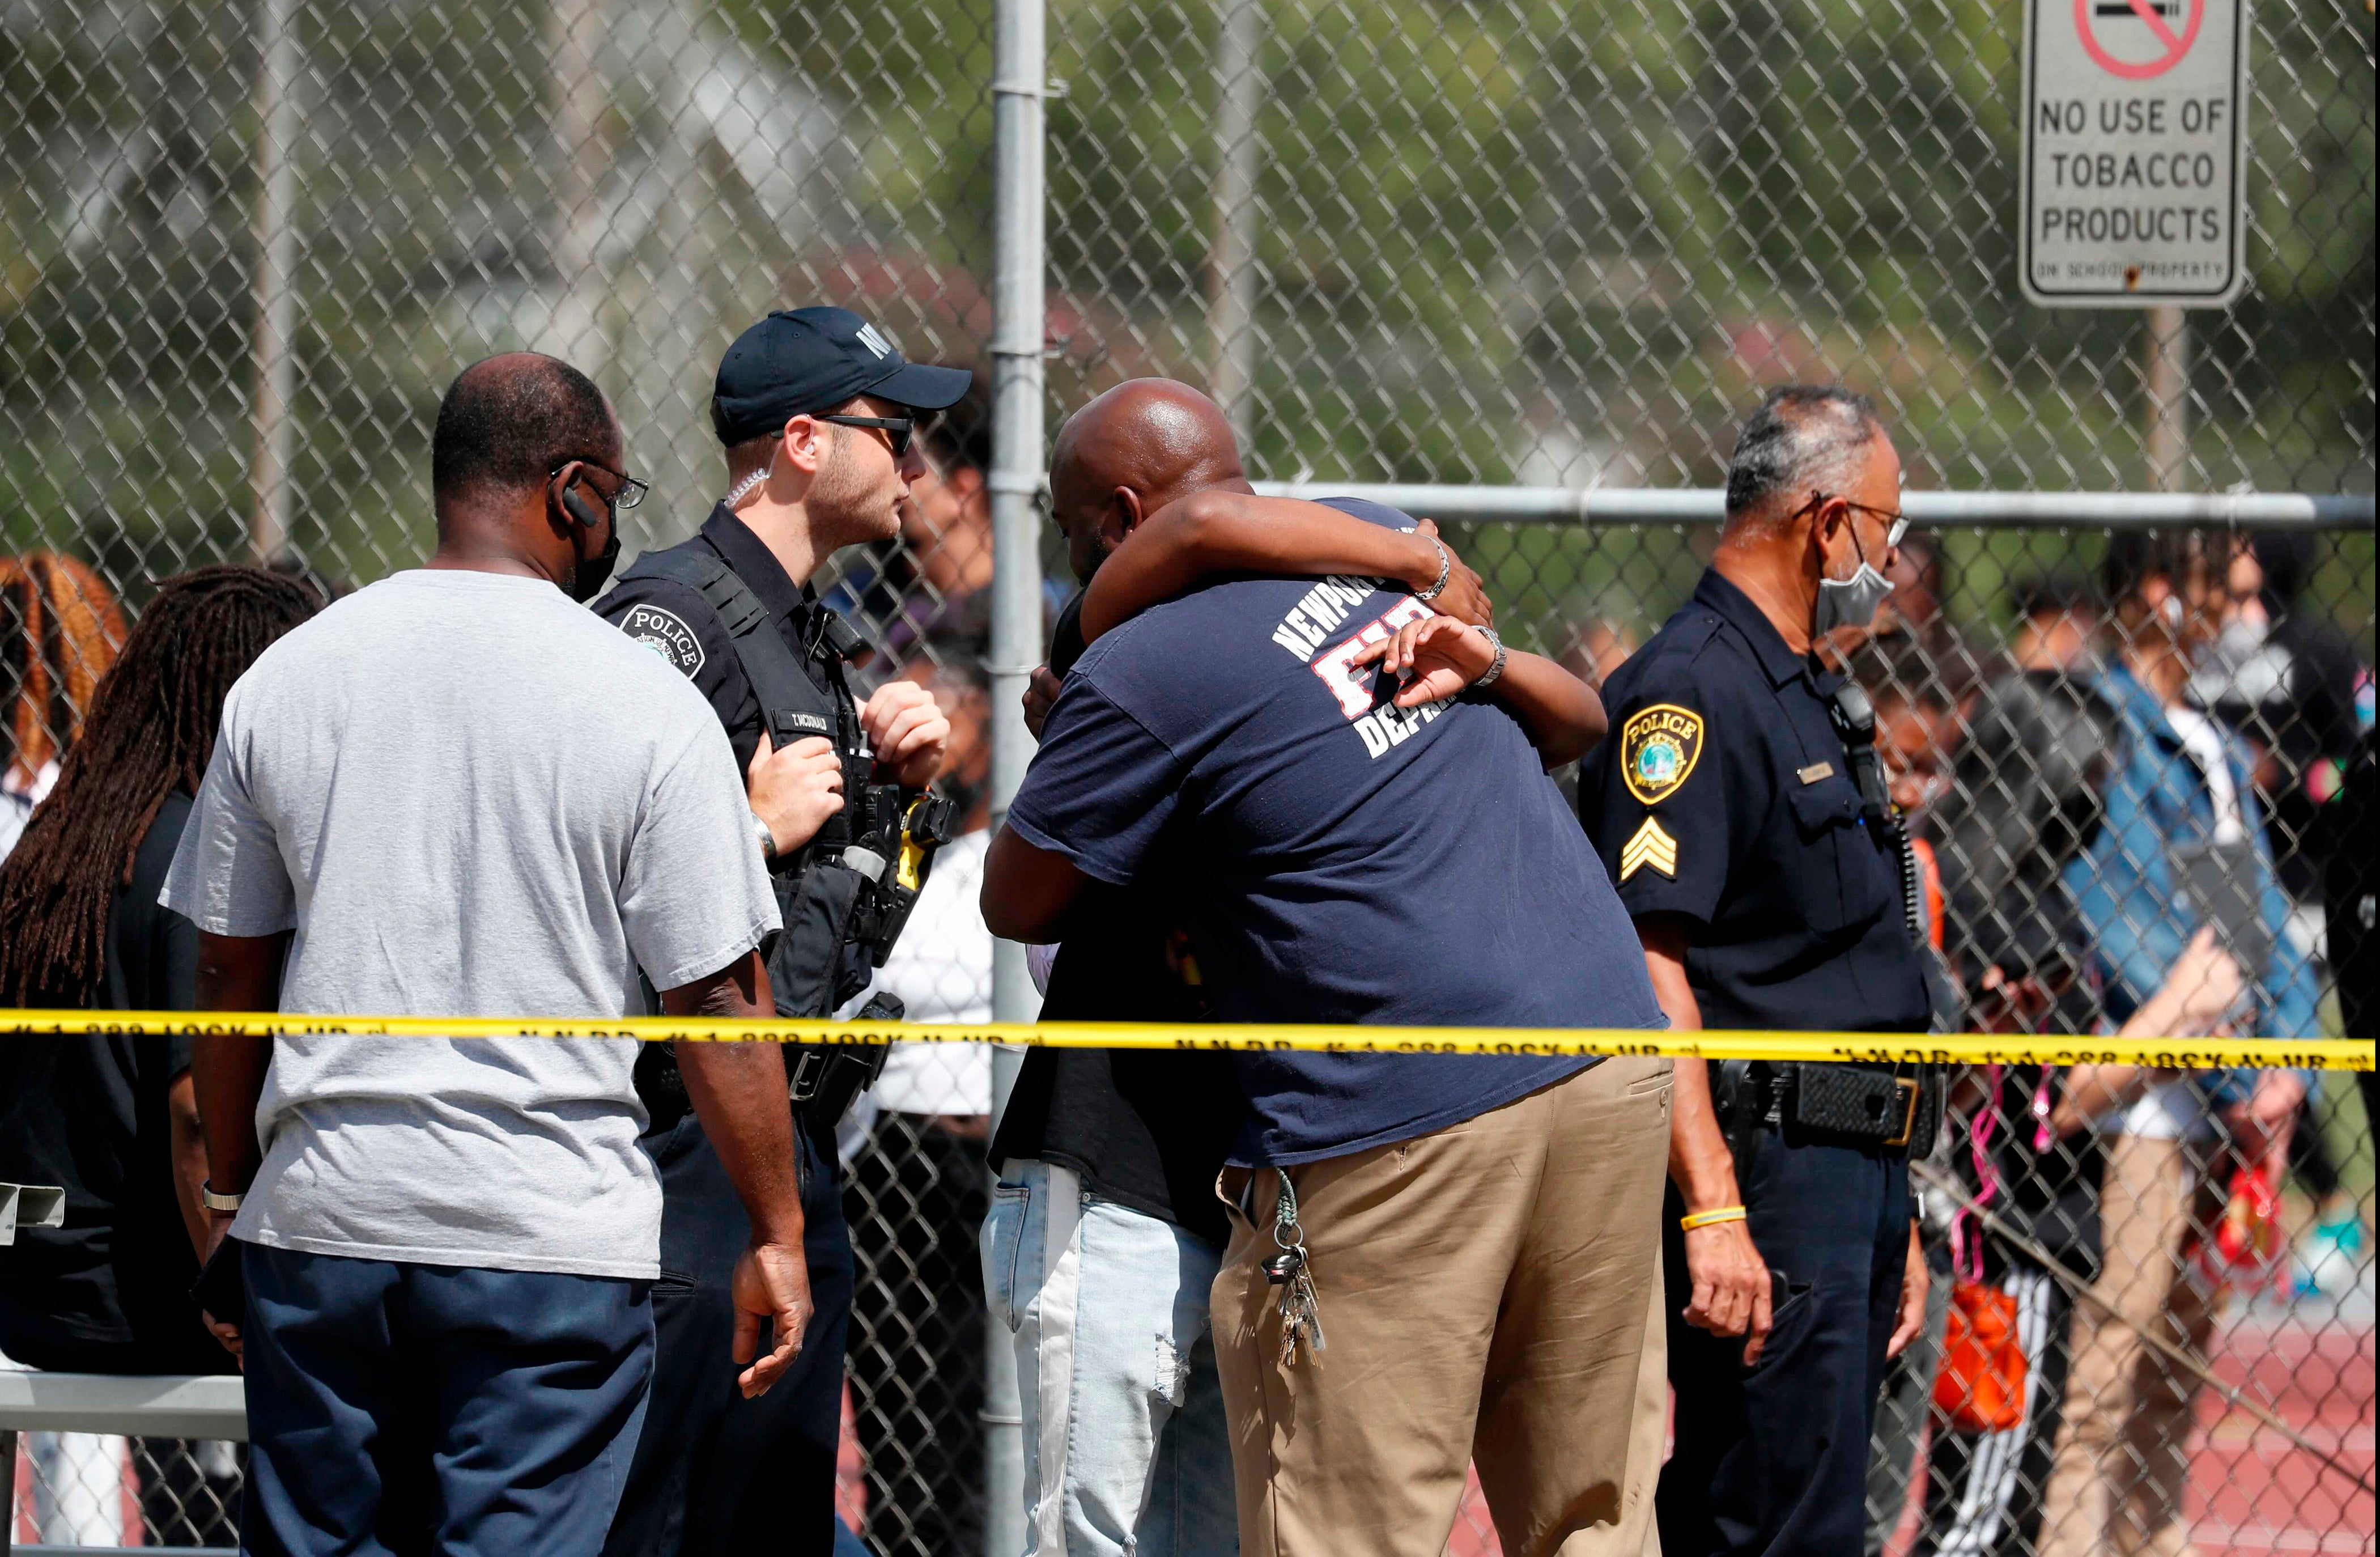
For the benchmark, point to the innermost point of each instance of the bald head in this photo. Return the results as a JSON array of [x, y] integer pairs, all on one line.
[[507, 422], [1129, 453]]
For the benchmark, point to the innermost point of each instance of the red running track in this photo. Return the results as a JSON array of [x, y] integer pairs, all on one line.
[[2253, 1492]]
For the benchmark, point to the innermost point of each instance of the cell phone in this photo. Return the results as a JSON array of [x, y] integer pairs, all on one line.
[[1778, 1288], [222, 1287]]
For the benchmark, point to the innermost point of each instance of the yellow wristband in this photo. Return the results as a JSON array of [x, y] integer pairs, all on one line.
[[1712, 1218]]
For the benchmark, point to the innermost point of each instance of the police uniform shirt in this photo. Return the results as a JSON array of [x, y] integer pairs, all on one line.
[[1724, 794], [814, 968], [674, 621]]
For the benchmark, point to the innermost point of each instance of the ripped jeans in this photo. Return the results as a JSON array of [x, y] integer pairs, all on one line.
[[1126, 1447]]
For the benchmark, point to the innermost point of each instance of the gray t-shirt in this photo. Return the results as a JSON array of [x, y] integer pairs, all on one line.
[[468, 796]]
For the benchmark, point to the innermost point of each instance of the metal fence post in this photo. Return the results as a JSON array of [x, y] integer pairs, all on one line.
[[575, 330], [1019, 81], [271, 347], [2165, 374], [1232, 262]]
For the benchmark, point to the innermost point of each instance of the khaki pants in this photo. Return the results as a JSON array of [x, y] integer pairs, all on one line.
[[1489, 1292], [2123, 1461]]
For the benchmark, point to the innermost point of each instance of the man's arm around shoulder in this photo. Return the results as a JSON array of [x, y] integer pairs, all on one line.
[[738, 1092]]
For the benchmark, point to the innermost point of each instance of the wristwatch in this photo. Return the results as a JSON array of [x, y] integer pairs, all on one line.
[[768, 839], [214, 1202]]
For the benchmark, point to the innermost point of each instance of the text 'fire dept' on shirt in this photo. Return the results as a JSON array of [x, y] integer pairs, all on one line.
[[1346, 861]]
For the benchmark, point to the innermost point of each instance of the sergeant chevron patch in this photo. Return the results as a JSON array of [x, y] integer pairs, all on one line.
[[1652, 846]]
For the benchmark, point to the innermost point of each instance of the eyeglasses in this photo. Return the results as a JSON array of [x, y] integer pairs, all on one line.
[[1896, 522], [900, 429], [631, 491]]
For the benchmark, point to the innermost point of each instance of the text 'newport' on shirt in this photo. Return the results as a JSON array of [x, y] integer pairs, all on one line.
[[1346, 861]]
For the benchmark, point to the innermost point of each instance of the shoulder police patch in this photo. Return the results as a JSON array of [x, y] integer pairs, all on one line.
[[666, 634], [1659, 746]]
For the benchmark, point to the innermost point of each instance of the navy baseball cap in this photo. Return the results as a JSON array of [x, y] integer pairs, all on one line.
[[805, 360]]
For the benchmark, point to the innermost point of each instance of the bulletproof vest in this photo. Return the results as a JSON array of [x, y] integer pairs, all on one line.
[[815, 966]]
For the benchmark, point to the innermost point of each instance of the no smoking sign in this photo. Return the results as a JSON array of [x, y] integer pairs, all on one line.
[[2136, 53], [2133, 153]]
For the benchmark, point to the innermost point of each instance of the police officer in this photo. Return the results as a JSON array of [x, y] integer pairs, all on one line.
[[817, 412], [1741, 810]]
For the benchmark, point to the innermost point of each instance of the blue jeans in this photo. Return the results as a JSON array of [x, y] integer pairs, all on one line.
[[1127, 1452], [400, 1408]]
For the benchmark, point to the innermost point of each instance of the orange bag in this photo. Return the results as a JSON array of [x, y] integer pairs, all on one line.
[[1981, 1387]]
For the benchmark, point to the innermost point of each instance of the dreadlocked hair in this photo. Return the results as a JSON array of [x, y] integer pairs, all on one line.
[[151, 726], [59, 631]]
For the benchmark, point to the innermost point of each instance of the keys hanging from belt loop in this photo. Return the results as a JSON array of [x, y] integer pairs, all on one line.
[[1300, 1314]]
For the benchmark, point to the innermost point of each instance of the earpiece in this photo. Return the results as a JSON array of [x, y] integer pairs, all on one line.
[[575, 506]]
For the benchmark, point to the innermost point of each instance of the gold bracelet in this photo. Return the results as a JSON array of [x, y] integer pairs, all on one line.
[[1712, 1218]]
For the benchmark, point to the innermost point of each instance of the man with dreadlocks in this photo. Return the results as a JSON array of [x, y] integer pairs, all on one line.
[[112, 1119]]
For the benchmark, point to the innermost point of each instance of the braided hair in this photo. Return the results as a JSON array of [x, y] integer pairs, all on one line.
[[59, 631], [150, 729]]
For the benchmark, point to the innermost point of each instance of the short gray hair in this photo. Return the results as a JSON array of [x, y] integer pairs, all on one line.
[[1805, 438]]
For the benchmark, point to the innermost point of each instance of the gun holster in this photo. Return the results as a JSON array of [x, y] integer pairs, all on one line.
[[823, 1079], [1744, 1096]]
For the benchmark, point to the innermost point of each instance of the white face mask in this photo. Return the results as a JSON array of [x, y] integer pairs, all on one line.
[[1852, 601]]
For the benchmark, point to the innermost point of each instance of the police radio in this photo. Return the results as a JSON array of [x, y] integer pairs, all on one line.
[[1853, 713]]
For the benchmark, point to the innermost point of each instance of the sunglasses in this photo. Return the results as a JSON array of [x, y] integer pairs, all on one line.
[[899, 429]]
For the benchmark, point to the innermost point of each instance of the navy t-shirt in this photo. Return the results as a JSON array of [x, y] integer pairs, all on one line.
[[1346, 861]]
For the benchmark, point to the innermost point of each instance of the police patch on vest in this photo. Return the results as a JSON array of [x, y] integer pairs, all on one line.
[[1658, 751], [666, 635]]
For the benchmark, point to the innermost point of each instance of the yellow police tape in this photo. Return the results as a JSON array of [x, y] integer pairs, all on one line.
[[2197, 1054]]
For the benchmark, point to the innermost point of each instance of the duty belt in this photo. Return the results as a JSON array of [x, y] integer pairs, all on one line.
[[1897, 1108], [821, 1079]]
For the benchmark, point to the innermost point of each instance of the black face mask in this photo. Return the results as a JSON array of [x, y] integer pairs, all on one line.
[[589, 575]]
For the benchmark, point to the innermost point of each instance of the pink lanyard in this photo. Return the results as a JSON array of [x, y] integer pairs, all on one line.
[[1966, 1230]]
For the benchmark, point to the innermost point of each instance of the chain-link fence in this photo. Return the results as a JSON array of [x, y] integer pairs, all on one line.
[[244, 246]]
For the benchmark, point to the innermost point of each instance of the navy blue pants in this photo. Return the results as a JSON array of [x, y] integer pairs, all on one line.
[[1772, 1461], [402, 1409], [716, 1474]]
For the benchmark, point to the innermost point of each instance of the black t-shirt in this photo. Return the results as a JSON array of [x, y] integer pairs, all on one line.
[[1145, 1129], [110, 1289]]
